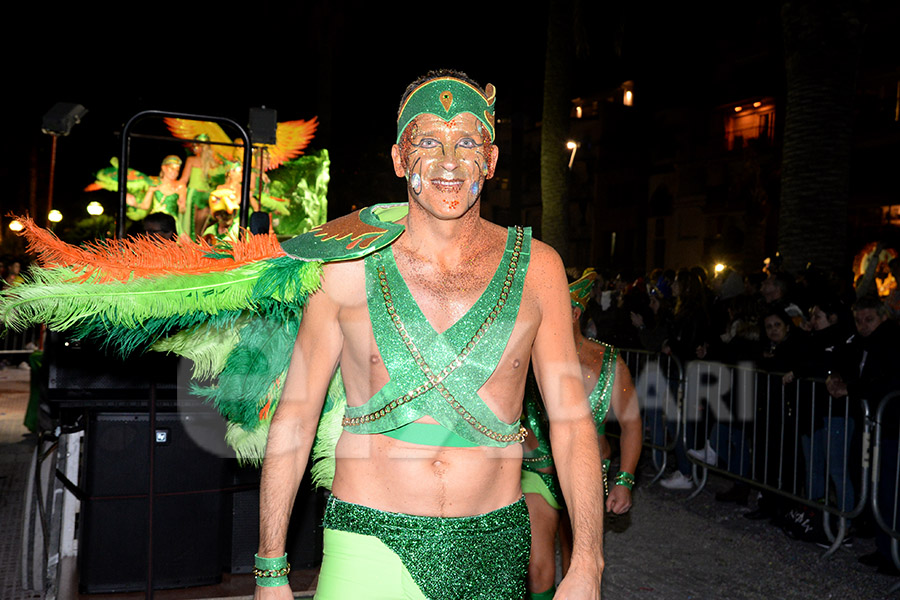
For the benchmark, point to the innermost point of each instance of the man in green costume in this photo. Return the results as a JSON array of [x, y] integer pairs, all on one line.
[[433, 335]]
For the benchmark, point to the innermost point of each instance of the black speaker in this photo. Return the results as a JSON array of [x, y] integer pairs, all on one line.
[[62, 117], [259, 223], [263, 125], [83, 374], [304, 537], [186, 505]]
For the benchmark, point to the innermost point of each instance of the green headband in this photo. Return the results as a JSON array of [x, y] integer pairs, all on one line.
[[446, 98], [171, 160], [580, 291]]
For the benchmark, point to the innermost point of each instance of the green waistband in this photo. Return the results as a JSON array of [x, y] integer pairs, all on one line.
[[357, 518]]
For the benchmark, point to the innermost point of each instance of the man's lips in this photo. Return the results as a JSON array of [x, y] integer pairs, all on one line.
[[450, 186]]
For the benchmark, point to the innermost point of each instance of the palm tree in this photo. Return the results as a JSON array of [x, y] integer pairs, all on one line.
[[822, 41], [555, 124]]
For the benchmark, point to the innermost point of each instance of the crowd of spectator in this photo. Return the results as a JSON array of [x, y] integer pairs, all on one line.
[[794, 329]]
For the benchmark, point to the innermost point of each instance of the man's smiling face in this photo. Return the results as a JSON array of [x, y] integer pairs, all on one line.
[[445, 163]]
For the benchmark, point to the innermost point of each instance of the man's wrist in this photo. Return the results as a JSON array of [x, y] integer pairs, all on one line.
[[271, 571]]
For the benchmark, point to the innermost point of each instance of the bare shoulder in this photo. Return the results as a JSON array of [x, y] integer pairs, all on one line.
[[545, 269], [343, 282], [544, 256]]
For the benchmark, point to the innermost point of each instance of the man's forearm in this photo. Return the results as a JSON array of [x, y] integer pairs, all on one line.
[[282, 471], [577, 457]]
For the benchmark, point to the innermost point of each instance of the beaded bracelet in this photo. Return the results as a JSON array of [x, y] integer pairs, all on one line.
[[625, 478], [271, 572]]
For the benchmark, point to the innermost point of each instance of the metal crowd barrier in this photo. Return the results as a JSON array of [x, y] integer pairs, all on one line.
[[790, 439], [885, 501], [21, 342], [659, 386]]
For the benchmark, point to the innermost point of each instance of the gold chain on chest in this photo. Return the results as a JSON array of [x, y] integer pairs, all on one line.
[[436, 381]]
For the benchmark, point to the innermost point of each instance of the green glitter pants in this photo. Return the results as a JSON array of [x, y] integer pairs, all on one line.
[[483, 557]]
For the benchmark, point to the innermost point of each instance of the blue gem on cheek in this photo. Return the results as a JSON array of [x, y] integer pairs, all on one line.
[[475, 188], [416, 181]]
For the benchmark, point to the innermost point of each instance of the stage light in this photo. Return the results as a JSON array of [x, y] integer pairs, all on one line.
[[719, 268], [95, 209], [55, 216], [16, 225]]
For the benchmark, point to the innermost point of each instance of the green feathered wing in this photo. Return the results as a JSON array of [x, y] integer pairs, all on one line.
[[234, 310]]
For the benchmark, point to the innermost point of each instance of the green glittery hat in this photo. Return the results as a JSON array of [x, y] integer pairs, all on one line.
[[445, 98], [172, 160], [580, 290]]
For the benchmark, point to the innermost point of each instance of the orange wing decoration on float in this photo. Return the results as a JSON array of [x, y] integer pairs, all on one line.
[[291, 138]]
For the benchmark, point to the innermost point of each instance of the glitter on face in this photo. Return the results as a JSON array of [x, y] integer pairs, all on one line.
[[451, 159]]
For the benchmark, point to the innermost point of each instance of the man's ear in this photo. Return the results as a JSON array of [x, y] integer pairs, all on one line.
[[492, 161], [397, 159]]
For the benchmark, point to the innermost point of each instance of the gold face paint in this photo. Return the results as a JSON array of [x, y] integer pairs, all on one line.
[[446, 163]]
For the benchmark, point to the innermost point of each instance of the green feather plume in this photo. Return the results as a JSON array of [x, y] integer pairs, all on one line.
[[50, 297], [328, 433], [206, 345], [260, 358]]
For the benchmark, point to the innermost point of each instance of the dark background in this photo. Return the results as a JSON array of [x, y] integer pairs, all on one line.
[[348, 63]]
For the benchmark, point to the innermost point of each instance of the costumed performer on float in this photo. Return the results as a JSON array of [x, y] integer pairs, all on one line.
[[199, 169], [607, 381], [168, 196]]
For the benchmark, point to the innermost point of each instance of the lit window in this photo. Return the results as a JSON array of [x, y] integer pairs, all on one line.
[[750, 121]]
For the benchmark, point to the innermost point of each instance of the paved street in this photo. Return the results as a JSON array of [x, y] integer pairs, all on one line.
[[668, 548], [674, 548]]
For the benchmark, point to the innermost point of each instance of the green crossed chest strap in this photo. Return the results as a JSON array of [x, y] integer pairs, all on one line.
[[439, 374], [602, 392]]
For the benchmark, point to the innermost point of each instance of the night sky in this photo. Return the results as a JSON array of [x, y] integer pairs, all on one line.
[[347, 63]]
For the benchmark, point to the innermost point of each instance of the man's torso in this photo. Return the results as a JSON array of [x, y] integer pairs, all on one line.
[[399, 476]]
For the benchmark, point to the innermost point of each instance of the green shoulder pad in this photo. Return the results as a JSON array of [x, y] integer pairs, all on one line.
[[349, 237]]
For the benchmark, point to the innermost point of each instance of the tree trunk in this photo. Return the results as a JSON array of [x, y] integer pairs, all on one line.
[[822, 40], [555, 125]]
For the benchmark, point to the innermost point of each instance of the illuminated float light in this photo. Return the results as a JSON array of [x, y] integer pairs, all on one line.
[[719, 268], [16, 225], [578, 112], [757, 104], [629, 98], [95, 209], [55, 216], [738, 108]]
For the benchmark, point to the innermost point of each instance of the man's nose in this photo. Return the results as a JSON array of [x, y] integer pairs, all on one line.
[[449, 161]]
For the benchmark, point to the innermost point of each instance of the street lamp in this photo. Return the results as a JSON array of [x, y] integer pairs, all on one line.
[[54, 216], [573, 146], [16, 225], [95, 209], [58, 121]]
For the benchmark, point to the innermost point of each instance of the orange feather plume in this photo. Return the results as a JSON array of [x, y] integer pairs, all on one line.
[[145, 256]]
